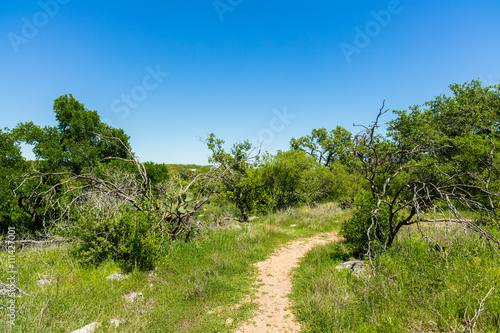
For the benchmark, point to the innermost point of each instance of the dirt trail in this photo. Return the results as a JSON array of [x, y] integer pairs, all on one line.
[[275, 285]]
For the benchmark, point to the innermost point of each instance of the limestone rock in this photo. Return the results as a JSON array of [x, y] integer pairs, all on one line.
[[131, 297], [45, 281], [90, 328], [116, 322], [116, 276], [357, 267]]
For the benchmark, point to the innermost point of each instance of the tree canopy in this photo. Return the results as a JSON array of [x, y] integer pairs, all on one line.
[[12, 164], [76, 142], [327, 147], [435, 160]]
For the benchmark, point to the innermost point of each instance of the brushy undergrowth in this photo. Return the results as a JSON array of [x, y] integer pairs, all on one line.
[[193, 289], [414, 287]]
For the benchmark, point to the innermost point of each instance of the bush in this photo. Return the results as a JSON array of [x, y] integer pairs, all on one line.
[[355, 230], [126, 237]]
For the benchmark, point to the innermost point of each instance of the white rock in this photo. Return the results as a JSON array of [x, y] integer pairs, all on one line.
[[116, 276], [45, 280], [130, 297], [116, 322], [357, 267], [88, 328]]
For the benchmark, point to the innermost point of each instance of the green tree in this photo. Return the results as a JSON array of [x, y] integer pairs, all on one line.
[[293, 177], [440, 159], [326, 147], [237, 186], [12, 164], [75, 145]]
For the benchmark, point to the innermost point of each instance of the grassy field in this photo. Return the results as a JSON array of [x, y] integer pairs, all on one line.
[[194, 288], [414, 287]]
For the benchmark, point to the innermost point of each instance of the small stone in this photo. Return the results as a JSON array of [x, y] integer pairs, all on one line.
[[293, 225], [90, 328], [45, 280], [357, 267], [130, 297], [116, 276], [116, 322]]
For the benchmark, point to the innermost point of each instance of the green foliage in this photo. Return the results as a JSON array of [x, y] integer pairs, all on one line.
[[157, 173], [237, 186], [460, 133], [78, 143], [440, 158], [175, 208], [326, 147], [344, 184], [12, 164], [364, 226], [286, 176], [127, 237]]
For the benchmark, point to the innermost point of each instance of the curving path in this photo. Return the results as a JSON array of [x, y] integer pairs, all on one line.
[[275, 285]]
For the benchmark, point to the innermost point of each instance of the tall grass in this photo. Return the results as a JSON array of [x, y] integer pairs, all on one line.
[[414, 287], [194, 289]]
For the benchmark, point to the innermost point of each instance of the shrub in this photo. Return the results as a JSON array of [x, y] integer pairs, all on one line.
[[357, 228], [126, 237]]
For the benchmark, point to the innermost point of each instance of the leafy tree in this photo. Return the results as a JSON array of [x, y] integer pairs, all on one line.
[[12, 164], [466, 127], [423, 166], [326, 147], [237, 186], [75, 145], [292, 177]]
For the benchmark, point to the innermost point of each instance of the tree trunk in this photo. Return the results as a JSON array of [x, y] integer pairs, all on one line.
[[243, 213]]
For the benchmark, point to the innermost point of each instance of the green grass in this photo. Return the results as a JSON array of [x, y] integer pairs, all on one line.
[[194, 288], [411, 288]]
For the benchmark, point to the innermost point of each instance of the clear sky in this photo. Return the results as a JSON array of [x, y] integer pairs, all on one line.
[[170, 72]]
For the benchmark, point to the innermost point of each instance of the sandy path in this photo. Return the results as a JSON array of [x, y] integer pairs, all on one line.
[[275, 285]]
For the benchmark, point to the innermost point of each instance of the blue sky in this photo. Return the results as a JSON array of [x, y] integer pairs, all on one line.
[[169, 73]]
